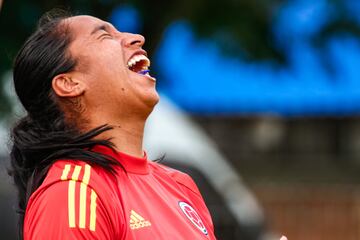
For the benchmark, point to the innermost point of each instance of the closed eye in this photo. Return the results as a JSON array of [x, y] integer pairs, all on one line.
[[105, 35], [103, 31]]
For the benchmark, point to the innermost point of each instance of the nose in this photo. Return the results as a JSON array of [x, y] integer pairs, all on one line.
[[131, 40]]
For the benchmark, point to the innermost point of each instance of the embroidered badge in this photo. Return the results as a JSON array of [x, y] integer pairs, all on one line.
[[192, 215]]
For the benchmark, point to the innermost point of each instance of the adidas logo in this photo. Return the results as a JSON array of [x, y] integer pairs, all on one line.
[[137, 221]]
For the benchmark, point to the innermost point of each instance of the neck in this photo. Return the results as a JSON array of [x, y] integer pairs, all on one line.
[[128, 138], [126, 135]]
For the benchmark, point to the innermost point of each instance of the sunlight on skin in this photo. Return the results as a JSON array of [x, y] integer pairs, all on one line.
[[283, 238]]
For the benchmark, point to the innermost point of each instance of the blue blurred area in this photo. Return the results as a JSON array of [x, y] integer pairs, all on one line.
[[353, 7], [126, 18], [315, 82], [299, 20]]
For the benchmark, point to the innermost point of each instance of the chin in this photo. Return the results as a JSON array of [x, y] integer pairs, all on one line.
[[153, 100], [150, 102]]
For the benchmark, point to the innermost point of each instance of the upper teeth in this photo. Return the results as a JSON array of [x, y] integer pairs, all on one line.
[[138, 58]]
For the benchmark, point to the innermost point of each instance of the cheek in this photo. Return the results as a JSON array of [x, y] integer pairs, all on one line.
[[107, 53], [111, 52], [108, 60], [107, 67], [103, 69]]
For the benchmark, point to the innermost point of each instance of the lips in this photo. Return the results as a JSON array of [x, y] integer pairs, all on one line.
[[140, 63]]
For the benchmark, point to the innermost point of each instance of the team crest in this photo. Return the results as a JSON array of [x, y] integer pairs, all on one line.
[[192, 215]]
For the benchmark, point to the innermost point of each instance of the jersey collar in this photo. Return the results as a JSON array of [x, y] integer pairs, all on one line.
[[130, 163]]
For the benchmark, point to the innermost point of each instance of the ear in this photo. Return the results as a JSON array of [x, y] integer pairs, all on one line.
[[66, 85]]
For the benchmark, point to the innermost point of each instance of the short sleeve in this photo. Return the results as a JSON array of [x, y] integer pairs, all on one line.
[[68, 210]]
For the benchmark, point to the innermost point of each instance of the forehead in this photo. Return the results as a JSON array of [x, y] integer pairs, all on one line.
[[84, 24]]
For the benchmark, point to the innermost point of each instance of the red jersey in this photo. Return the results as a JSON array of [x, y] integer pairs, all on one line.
[[147, 201]]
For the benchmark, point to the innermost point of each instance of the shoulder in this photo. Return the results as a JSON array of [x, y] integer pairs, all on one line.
[[67, 177], [80, 172], [64, 170], [70, 180], [181, 178], [72, 198]]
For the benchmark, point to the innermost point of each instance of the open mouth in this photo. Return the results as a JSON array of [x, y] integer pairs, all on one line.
[[139, 64]]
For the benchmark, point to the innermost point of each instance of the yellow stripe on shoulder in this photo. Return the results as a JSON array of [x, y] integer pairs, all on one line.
[[86, 176], [76, 173], [83, 193], [77, 217], [65, 172], [71, 196], [93, 205]]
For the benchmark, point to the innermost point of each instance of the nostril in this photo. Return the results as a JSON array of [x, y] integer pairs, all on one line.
[[135, 42]]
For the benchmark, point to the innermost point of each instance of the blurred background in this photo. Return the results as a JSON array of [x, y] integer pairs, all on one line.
[[260, 104]]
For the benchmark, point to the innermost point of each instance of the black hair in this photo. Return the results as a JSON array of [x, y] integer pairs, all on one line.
[[44, 136]]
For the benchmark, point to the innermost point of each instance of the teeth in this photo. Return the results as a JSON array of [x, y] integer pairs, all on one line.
[[138, 58], [131, 62]]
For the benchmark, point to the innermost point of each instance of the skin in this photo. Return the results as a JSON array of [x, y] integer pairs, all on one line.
[[107, 91]]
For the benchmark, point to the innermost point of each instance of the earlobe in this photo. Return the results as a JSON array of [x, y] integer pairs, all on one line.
[[67, 86]]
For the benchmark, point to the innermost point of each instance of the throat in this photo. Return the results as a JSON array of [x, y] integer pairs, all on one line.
[[128, 139]]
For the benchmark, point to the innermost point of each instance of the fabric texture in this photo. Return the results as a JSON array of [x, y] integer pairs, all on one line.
[[147, 201]]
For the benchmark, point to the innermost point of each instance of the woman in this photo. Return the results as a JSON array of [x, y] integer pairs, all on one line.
[[77, 156]]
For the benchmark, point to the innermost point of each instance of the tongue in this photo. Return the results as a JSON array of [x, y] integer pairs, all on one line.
[[143, 72]]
